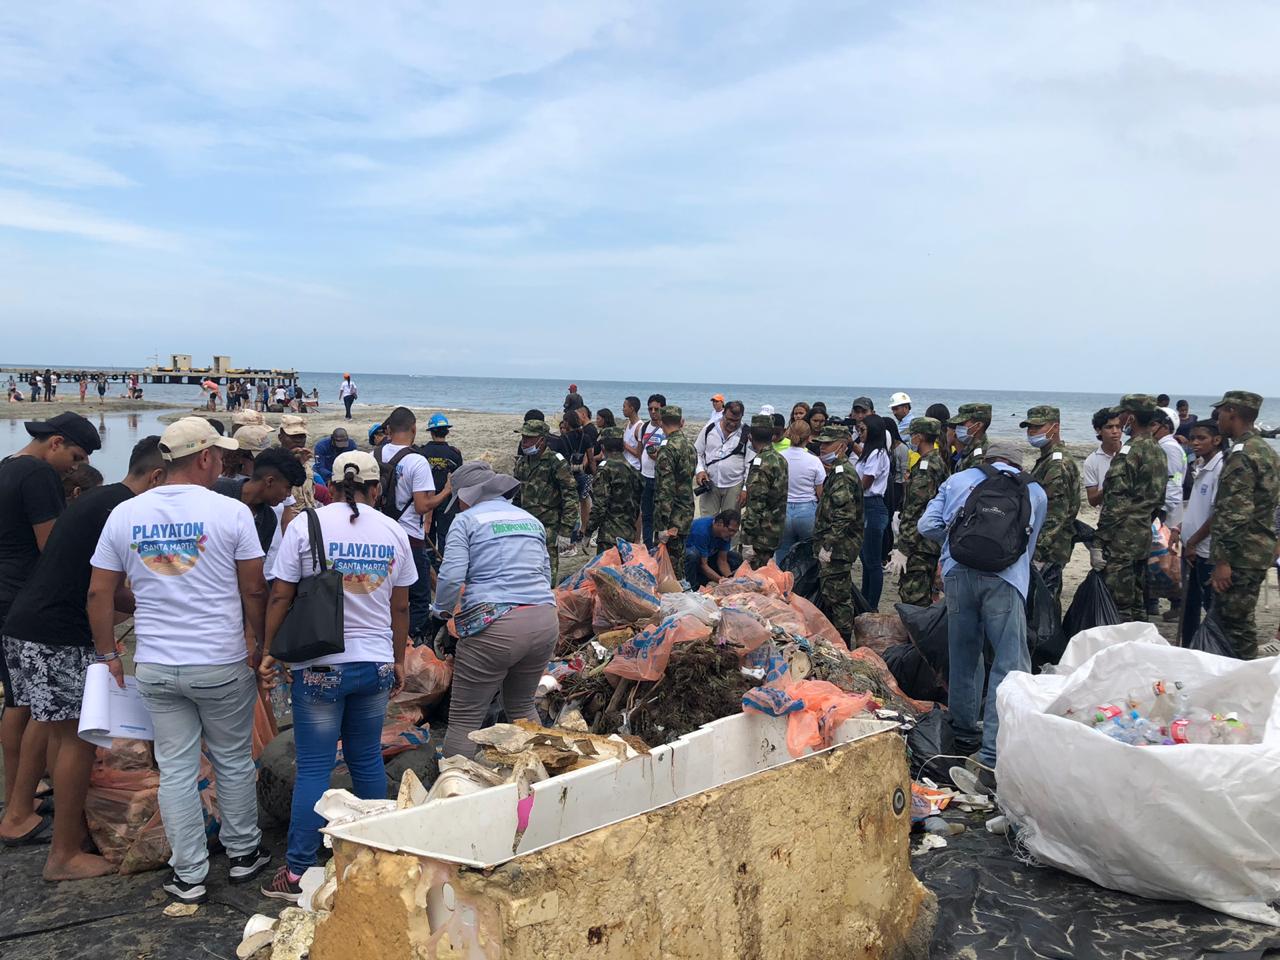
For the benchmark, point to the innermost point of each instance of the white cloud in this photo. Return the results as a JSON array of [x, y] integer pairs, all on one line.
[[53, 168], [24, 211]]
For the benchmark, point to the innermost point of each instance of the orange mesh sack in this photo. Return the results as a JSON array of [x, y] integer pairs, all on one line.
[[426, 677]]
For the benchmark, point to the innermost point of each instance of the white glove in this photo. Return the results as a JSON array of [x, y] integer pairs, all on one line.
[[664, 536], [896, 523], [563, 544], [1096, 560], [897, 561], [748, 552], [824, 555]]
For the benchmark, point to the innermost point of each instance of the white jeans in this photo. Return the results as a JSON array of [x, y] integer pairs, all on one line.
[[216, 703]]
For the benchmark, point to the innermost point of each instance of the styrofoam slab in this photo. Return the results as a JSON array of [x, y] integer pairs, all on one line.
[[479, 830]]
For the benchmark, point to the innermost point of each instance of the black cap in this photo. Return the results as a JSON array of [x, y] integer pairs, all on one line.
[[863, 402], [72, 426]]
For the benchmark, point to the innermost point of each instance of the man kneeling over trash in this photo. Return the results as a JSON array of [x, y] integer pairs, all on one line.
[[987, 519]]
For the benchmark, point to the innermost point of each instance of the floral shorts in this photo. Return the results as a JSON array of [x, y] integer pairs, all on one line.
[[48, 679]]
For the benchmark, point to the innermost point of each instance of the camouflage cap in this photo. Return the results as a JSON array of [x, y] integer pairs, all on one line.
[[1241, 398], [833, 433], [925, 426], [672, 412], [971, 411], [534, 428], [1136, 403], [612, 433], [762, 421], [1040, 415]]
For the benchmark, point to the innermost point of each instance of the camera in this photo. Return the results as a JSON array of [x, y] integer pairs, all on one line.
[[701, 488]]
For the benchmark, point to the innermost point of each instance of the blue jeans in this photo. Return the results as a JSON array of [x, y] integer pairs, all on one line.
[[420, 591], [1197, 595], [875, 518], [646, 510], [344, 702], [981, 605], [799, 526]]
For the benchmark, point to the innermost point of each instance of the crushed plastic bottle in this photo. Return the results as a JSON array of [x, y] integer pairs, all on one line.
[[281, 702]]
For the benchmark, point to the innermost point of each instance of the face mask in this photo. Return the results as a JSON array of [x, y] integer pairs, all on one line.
[[829, 457], [962, 433], [530, 451], [1039, 442], [1128, 430]]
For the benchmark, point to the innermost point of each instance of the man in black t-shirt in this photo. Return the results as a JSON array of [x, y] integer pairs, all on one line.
[[276, 471], [31, 498], [444, 459], [55, 648], [578, 438]]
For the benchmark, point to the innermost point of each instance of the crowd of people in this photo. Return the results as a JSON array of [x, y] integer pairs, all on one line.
[[43, 385], [206, 540]]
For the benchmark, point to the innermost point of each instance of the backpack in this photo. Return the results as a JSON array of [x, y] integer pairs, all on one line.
[[743, 435], [387, 471], [992, 529]]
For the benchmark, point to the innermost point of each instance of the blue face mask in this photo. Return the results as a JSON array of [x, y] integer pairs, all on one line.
[[530, 451], [962, 433], [1039, 442], [829, 457], [1128, 430]]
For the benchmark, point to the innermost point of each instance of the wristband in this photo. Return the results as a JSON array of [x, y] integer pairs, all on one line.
[[113, 655]]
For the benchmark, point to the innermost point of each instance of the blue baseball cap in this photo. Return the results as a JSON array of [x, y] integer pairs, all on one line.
[[374, 429], [439, 421]]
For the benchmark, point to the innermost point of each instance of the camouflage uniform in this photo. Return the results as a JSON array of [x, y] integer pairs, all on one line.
[[1059, 474], [673, 468], [839, 528], [974, 448], [915, 583], [1243, 534], [615, 499], [1131, 495], [765, 513], [548, 491]]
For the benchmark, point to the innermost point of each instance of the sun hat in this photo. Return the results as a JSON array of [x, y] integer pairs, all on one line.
[[365, 466], [1003, 450], [190, 435], [475, 482]]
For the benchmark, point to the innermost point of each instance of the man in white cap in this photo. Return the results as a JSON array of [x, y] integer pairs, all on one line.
[[900, 407], [195, 565]]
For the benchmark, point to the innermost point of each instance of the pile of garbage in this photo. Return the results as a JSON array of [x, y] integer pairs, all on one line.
[[1163, 715], [640, 657]]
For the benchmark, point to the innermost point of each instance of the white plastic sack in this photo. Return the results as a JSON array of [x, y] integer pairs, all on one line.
[[1196, 822], [697, 605], [1088, 642]]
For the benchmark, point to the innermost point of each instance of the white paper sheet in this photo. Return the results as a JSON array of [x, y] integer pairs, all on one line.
[[107, 711]]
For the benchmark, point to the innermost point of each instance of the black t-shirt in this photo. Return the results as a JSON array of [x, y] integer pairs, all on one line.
[[444, 459], [30, 494], [265, 520], [50, 608], [576, 443], [1184, 429]]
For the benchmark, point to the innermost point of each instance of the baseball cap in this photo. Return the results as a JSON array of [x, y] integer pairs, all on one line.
[[254, 437], [190, 435], [672, 412], [971, 411], [1003, 450], [762, 421], [898, 399], [832, 432], [767, 410], [573, 388], [863, 402], [1241, 398], [718, 396], [534, 428], [71, 426], [925, 426], [293, 425], [242, 418], [366, 467], [339, 435], [439, 421]]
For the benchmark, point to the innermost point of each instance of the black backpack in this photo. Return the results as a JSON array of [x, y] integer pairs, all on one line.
[[993, 527], [387, 496]]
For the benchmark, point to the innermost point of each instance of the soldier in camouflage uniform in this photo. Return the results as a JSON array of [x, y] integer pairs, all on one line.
[[615, 494], [1131, 496], [547, 489], [838, 529], [764, 498], [1057, 472], [915, 582], [1243, 542], [673, 468], [971, 422]]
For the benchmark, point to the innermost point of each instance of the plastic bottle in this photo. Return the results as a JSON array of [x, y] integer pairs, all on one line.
[[1195, 727], [1232, 730], [1148, 731], [281, 703], [1106, 712], [1166, 704], [1120, 727]]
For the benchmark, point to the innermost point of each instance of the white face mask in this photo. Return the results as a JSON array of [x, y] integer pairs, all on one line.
[[530, 451]]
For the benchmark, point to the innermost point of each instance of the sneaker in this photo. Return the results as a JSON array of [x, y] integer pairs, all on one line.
[[282, 888], [1172, 615], [185, 892], [243, 869]]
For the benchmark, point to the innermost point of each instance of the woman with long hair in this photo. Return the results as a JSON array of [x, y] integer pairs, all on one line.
[[799, 411], [805, 476], [874, 466]]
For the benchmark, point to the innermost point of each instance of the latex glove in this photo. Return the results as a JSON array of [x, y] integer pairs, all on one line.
[[824, 555], [896, 523], [748, 553], [897, 562], [563, 544], [1096, 560]]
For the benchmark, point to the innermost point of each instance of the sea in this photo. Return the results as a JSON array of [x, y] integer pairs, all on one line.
[[516, 396]]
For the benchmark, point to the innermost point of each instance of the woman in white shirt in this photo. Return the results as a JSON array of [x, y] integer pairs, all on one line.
[[805, 475], [1206, 444], [342, 696], [874, 467]]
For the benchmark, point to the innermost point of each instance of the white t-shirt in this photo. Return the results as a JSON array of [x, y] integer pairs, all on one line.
[[633, 437], [653, 437], [178, 545], [348, 388], [372, 554], [715, 415], [1096, 466], [413, 475], [1200, 506], [876, 465], [1177, 459], [273, 548], [804, 473], [280, 394]]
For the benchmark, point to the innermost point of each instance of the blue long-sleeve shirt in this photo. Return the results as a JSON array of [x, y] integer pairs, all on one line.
[[325, 453], [500, 553], [941, 512]]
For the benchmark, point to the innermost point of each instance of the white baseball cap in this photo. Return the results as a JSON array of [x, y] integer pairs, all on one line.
[[365, 466], [898, 399], [767, 410], [190, 435]]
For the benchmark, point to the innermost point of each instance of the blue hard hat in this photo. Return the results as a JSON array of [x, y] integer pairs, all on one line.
[[374, 429], [438, 421]]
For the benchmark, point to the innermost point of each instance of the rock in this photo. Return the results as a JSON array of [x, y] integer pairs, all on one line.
[[181, 909]]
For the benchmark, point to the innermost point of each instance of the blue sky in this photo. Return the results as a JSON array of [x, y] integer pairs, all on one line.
[[1011, 195]]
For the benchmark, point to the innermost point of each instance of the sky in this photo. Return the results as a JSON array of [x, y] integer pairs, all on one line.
[[1003, 194]]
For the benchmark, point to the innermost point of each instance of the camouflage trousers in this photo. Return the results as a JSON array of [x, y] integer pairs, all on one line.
[[675, 552], [1236, 611], [836, 583], [764, 553], [554, 553], [915, 583], [1125, 578]]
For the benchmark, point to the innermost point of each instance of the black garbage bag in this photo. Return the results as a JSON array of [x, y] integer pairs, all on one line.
[[931, 737], [915, 676], [1092, 606], [1046, 640], [1082, 533], [801, 563], [860, 605], [1211, 638], [927, 627]]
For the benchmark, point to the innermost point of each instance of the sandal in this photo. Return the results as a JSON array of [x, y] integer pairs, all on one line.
[[32, 836]]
